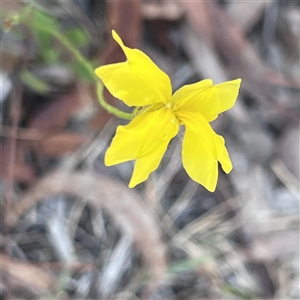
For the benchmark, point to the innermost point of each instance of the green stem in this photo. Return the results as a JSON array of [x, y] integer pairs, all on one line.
[[81, 59], [88, 66]]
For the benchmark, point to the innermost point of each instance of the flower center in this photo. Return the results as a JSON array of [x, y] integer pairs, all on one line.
[[169, 105]]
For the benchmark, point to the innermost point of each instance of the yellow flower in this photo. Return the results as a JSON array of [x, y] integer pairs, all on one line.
[[139, 82]]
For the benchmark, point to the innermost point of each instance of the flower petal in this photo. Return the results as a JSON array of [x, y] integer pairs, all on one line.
[[202, 149], [145, 139], [137, 81], [146, 165], [206, 98]]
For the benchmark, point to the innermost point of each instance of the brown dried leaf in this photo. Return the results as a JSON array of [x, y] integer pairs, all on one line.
[[124, 205], [27, 276], [59, 144], [124, 15], [23, 172], [56, 114], [11, 59]]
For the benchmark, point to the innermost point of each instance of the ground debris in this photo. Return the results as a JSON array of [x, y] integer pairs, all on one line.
[[72, 228]]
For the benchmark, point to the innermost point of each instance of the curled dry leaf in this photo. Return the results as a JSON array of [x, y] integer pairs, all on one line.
[[124, 205]]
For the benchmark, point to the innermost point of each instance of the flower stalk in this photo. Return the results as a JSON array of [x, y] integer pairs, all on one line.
[[89, 67]]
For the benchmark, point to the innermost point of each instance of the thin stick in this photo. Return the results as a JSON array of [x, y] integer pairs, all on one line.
[[8, 193]]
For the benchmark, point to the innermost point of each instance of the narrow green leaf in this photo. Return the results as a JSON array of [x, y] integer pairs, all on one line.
[[33, 82], [188, 264], [77, 37], [242, 294], [42, 21]]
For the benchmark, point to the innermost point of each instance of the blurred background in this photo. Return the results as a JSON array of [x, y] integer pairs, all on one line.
[[72, 229]]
